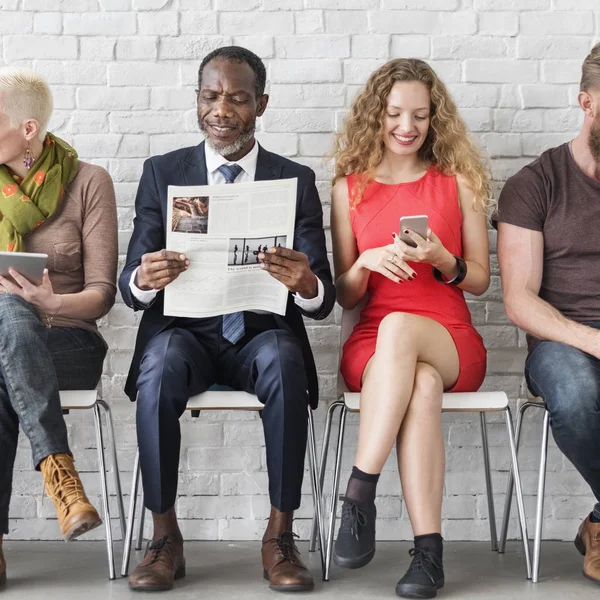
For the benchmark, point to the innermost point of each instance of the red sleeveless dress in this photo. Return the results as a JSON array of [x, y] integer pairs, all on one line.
[[373, 221]]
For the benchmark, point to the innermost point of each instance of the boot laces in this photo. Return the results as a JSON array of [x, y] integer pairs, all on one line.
[[63, 484], [424, 560], [286, 545], [353, 516], [157, 547]]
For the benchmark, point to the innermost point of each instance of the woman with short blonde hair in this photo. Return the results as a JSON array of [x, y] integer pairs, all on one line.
[[51, 203], [404, 151]]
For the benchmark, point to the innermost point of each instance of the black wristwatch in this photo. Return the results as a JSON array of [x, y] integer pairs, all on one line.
[[461, 265]]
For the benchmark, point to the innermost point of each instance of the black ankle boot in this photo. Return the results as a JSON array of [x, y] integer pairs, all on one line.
[[424, 577], [355, 544]]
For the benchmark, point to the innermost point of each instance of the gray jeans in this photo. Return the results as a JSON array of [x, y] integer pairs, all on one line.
[[35, 362]]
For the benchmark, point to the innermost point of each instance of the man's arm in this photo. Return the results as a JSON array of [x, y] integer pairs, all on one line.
[[521, 258]]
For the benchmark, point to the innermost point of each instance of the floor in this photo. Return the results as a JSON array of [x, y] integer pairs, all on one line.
[[56, 571]]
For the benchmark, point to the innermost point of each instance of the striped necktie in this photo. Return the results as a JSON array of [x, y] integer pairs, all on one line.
[[233, 328]]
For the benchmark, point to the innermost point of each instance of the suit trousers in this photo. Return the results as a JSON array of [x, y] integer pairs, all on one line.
[[187, 359]]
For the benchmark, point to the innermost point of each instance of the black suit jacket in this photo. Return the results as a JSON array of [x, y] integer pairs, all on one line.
[[188, 167]]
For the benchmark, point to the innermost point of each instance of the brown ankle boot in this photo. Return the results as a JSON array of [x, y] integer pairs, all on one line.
[[2, 568], [588, 544], [76, 515]]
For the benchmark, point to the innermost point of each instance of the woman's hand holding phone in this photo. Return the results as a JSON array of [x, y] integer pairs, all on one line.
[[428, 250]]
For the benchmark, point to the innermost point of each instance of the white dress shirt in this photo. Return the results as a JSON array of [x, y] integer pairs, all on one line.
[[215, 177]]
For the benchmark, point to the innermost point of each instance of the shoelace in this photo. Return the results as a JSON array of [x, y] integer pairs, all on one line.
[[286, 545], [68, 489], [157, 547], [352, 516], [423, 560]]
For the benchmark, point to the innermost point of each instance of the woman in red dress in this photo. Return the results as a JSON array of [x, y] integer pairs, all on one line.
[[405, 151]]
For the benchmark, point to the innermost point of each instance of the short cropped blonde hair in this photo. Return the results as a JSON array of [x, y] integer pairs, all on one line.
[[590, 70], [24, 94]]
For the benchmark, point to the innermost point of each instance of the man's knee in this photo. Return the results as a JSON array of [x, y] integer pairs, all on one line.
[[568, 380]]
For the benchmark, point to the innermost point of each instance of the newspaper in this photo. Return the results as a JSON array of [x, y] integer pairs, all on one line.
[[222, 229]]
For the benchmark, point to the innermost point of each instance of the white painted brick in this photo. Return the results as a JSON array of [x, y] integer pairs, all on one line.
[[282, 4], [410, 46], [97, 48], [358, 71], [50, 23], [199, 23], [309, 21], [557, 23], [163, 23], [302, 120], [249, 24], [185, 5], [315, 46], [237, 5], [9, 4], [117, 5], [306, 95], [104, 98], [128, 74], [150, 4], [72, 73], [163, 143], [467, 47], [449, 71], [102, 23], [527, 121], [420, 22], [146, 122], [519, 5], [342, 4], [370, 46], [498, 23], [306, 71], [563, 46], [138, 48], [561, 71], [172, 98], [22, 47], [474, 95], [18, 23], [189, 47], [354, 21], [285, 144], [543, 96], [477, 119], [316, 144], [421, 4], [61, 5], [500, 71], [565, 119], [535, 144], [261, 45], [458, 23]]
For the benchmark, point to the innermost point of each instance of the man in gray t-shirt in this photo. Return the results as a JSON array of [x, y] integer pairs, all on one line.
[[548, 223]]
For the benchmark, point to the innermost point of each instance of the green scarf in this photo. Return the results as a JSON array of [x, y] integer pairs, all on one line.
[[26, 203]]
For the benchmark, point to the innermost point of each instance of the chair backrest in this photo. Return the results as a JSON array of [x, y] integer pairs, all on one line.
[[349, 320]]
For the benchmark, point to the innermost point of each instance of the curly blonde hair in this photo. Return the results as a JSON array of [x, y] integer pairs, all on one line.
[[359, 146]]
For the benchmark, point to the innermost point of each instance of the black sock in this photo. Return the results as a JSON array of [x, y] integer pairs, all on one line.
[[433, 542], [594, 518], [362, 486]]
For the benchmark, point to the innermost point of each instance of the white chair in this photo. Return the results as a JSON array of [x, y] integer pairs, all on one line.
[[225, 400], [90, 400], [539, 517], [481, 402]]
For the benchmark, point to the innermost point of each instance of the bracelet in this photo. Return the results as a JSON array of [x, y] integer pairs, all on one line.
[[50, 318], [460, 275]]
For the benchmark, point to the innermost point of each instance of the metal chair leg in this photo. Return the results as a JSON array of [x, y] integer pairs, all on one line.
[[131, 516], [314, 480], [113, 445], [102, 470], [519, 491], [510, 485], [539, 517], [488, 483], [334, 491], [322, 465], [140, 534]]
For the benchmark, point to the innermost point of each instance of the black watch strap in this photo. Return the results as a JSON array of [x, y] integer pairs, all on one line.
[[460, 275]]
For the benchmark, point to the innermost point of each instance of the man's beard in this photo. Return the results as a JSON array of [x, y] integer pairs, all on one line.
[[594, 140], [233, 147]]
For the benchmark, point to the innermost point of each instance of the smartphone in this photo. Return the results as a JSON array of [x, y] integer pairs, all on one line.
[[419, 224]]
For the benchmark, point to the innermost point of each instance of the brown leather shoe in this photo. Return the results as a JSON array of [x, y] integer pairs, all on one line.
[[283, 567], [588, 544], [2, 568], [76, 515], [162, 565]]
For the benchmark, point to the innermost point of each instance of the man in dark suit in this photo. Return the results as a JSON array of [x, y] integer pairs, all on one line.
[[264, 354]]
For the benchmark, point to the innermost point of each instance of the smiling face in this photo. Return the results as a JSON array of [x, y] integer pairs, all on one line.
[[407, 117], [228, 107]]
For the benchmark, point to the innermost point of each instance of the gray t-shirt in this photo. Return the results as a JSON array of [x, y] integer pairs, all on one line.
[[554, 196]]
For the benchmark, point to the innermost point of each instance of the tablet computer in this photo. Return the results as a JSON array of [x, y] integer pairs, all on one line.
[[29, 264]]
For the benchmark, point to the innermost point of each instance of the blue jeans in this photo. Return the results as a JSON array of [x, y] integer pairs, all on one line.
[[35, 362], [568, 380]]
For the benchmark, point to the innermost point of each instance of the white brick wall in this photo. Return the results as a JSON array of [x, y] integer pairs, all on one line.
[[123, 73]]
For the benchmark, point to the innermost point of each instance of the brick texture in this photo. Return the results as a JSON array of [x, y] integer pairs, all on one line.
[[123, 74]]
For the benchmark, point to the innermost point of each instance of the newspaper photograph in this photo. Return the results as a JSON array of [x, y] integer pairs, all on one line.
[[222, 229]]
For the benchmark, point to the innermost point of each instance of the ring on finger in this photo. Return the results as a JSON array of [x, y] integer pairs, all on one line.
[[393, 260]]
